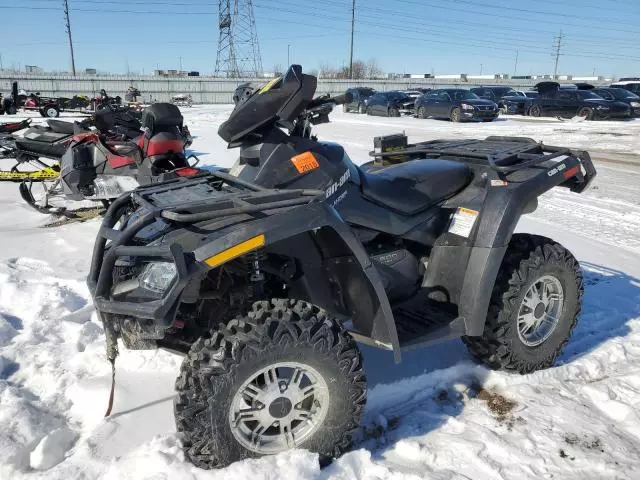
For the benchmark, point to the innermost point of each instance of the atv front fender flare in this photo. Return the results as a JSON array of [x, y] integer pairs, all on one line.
[[380, 330]]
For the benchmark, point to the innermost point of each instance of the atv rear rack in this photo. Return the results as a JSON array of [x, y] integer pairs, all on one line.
[[504, 155]]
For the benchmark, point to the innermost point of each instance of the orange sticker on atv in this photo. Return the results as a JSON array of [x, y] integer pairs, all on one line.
[[305, 162]]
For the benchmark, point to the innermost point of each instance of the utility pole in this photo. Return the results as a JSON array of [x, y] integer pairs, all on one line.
[[515, 67], [1, 66], [65, 4], [288, 49], [180, 63], [480, 69], [353, 23], [558, 46]]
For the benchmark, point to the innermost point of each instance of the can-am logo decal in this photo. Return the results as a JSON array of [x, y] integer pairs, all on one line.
[[334, 187], [558, 169]]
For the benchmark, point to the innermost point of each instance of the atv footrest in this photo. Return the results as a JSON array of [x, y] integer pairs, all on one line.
[[421, 321]]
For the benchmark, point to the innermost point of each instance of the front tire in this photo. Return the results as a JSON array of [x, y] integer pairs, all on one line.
[[422, 113], [361, 109], [455, 115], [345, 109], [284, 376], [393, 112], [534, 306]]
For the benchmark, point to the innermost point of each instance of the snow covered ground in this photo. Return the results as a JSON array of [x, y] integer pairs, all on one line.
[[437, 415]]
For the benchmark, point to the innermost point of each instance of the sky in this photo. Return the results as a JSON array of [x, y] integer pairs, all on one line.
[[403, 36]]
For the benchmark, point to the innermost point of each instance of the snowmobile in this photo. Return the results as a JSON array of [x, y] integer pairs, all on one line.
[[100, 167], [267, 275], [40, 149]]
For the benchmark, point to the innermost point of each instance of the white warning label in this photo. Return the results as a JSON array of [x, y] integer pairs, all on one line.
[[462, 221]]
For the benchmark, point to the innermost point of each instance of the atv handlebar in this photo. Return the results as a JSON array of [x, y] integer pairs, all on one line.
[[326, 99]]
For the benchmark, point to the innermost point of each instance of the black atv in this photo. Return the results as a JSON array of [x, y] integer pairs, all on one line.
[[266, 276]]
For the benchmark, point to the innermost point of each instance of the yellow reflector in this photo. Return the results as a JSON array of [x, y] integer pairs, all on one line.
[[269, 85], [235, 251]]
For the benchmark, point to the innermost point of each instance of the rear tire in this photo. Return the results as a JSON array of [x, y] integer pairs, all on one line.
[[422, 113], [455, 115], [535, 111], [361, 109], [237, 367], [345, 109], [510, 340]]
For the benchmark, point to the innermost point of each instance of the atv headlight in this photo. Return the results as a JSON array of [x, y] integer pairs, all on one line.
[[466, 106], [635, 104], [602, 107], [158, 276]]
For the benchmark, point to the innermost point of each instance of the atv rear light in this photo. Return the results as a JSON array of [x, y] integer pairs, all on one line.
[[187, 172], [158, 276], [235, 251]]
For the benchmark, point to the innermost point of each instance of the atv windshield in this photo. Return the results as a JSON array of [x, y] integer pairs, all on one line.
[[279, 102]]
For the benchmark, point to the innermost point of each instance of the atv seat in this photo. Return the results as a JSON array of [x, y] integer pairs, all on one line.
[[411, 187]]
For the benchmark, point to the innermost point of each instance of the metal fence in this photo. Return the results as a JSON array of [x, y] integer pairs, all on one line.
[[207, 89]]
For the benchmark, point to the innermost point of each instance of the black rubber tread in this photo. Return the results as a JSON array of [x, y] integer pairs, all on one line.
[[526, 259], [393, 112], [274, 330]]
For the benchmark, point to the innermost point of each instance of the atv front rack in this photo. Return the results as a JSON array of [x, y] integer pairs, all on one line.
[[504, 155], [183, 200]]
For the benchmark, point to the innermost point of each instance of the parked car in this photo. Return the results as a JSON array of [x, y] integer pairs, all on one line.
[[516, 104], [496, 94], [360, 97], [456, 104], [554, 101], [631, 84], [390, 104], [620, 95]]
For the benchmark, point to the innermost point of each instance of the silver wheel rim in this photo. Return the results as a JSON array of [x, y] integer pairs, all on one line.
[[51, 112], [540, 310], [279, 407]]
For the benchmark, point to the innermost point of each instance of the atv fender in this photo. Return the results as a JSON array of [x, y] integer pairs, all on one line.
[[499, 215], [378, 329]]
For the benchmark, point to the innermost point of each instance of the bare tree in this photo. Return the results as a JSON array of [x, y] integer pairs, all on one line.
[[373, 69]]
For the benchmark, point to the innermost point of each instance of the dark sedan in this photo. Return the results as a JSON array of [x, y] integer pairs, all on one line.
[[390, 104], [360, 97], [457, 105], [620, 95], [556, 102]]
